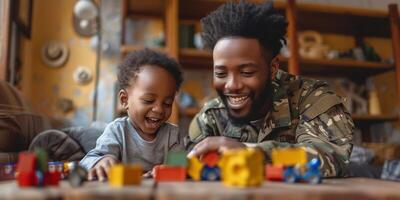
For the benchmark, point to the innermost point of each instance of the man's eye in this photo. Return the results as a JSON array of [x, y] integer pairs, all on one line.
[[248, 73], [220, 74]]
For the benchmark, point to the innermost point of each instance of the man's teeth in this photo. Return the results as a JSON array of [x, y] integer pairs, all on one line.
[[237, 100]]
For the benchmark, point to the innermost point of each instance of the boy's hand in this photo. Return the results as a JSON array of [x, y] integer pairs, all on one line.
[[150, 174], [101, 169]]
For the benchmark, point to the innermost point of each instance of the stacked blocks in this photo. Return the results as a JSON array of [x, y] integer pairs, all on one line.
[[211, 171], [33, 170], [243, 168], [174, 169]]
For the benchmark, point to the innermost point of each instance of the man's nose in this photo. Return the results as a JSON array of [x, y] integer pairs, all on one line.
[[233, 83]]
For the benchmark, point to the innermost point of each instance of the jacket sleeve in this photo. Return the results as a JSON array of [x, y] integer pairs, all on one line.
[[325, 130]]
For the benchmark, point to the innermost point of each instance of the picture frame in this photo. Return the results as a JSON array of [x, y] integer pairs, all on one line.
[[23, 16]]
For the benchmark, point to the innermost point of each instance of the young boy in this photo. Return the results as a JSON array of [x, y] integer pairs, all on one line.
[[149, 81]]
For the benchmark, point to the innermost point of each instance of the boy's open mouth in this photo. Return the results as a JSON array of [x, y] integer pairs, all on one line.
[[153, 122]]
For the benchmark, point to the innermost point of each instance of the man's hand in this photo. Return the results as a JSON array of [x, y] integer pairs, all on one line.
[[102, 168], [219, 143]]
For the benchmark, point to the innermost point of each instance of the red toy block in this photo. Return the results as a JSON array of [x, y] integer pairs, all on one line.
[[211, 158], [52, 178], [273, 173], [164, 173], [26, 179], [26, 162], [26, 169]]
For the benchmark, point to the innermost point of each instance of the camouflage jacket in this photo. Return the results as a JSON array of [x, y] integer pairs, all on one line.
[[306, 113]]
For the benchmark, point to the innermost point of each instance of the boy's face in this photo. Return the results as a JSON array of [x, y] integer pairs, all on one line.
[[148, 101], [242, 76]]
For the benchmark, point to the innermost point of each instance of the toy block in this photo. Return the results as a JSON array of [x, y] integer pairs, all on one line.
[[57, 166], [26, 179], [52, 178], [121, 175], [210, 173], [176, 158], [211, 158], [163, 173], [274, 173], [242, 168], [41, 156], [7, 171], [26, 162], [289, 156], [194, 168]]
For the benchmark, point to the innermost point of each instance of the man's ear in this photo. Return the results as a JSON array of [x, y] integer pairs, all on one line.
[[274, 67], [123, 98]]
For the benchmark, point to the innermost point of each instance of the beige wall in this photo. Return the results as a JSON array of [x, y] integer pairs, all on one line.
[[43, 85]]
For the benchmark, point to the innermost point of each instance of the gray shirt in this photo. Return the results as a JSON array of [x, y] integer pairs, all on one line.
[[121, 140]]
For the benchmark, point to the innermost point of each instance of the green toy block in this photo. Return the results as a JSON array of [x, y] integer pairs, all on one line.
[[176, 158], [41, 156]]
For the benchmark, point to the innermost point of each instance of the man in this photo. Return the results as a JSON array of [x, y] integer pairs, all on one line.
[[260, 105]]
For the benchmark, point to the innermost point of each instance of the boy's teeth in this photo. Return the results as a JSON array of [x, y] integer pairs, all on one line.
[[153, 119]]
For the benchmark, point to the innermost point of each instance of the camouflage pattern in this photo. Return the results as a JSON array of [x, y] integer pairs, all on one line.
[[306, 113]]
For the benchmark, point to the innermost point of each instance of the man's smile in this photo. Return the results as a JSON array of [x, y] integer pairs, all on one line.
[[237, 101]]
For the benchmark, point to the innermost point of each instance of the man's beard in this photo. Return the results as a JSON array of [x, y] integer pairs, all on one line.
[[258, 108]]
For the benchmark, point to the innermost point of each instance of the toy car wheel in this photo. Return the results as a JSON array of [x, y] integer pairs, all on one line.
[[290, 178], [314, 179], [210, 174]]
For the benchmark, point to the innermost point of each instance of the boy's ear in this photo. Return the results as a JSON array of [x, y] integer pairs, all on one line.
[[123, 98], [274, 67]]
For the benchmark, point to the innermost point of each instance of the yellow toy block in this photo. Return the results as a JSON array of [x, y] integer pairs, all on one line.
[[242, 168], [289, 156], [121, 175], [194, 168]]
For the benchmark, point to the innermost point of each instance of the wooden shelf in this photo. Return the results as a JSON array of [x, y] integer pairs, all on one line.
[[201, 59], [195, 59], [340, 68], [153, 8], [129, 48], [375, 118]]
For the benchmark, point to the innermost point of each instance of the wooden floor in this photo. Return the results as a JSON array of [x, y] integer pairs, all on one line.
[[350, 188]]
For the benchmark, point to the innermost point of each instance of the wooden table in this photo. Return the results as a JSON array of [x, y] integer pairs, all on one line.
[[354, 188], [351, 188]]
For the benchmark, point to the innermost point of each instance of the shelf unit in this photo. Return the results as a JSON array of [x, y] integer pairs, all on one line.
[[357, 22]]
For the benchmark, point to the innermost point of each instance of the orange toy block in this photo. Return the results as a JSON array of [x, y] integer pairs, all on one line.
[[164, 173], [211, 158], [273, 173], [122, 175]]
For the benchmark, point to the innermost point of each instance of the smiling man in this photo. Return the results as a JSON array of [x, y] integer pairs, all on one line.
[[260, 105]]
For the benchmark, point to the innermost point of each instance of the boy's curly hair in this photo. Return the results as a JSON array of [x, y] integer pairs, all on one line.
[[134, 61], [245, 19]]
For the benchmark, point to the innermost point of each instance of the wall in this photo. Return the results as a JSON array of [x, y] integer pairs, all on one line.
[[43, 85]]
